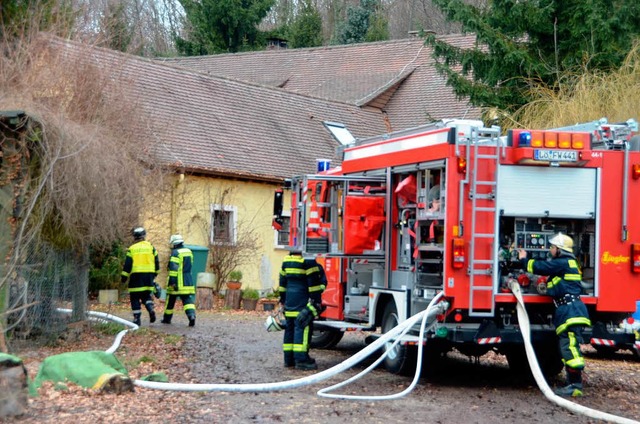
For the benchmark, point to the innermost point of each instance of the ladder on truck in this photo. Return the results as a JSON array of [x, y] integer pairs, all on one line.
[[482, 275]]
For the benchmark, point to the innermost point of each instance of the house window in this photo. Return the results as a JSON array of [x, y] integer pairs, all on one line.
[[223, 224], [282, 235]]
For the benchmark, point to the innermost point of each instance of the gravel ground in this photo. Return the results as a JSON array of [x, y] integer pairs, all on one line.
[[231, 347]]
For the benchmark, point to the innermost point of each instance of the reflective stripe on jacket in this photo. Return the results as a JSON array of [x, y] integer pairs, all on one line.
[[180, 280], [300, 280], [564, 278], [141, 266]]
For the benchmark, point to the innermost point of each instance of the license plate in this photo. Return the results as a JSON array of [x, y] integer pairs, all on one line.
[[556, 155]]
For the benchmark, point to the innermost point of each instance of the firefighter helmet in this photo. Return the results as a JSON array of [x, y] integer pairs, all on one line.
[[175, 240], [563, 242], [273, 324], [138, 233]]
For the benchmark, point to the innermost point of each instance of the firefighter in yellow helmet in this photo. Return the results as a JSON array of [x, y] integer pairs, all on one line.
[[180, 284], [564, 285], [141, 266]]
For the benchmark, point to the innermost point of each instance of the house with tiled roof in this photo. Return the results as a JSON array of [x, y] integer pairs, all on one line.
[[396, 78], [225, 133]]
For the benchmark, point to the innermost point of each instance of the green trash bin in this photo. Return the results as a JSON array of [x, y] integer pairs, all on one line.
[[200, 254]]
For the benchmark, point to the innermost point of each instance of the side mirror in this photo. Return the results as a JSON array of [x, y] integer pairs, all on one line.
[[278, 197]]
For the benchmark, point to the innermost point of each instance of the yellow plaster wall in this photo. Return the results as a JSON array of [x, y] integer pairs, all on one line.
[[190, 217]]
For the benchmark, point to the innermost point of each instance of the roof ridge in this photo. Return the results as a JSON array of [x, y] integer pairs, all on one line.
[[195, 72]]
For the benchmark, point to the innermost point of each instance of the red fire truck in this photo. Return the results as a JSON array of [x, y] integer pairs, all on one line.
[[443, 208]]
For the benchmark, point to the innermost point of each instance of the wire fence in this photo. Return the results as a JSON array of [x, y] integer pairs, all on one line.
[[42, 280]]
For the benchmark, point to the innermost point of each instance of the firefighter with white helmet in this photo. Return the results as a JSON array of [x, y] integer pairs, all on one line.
[[180, 284], [564, 285], [141, 266]]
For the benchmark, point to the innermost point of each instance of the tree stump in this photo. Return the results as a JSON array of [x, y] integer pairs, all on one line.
[[204, 298], [232, 299], [13, 387]]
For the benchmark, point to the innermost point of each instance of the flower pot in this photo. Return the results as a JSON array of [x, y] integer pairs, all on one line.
[[268, 306], [233, 285], [249, 304]]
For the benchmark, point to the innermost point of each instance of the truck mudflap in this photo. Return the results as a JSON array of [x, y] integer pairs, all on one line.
[[488, 333], [603, 340]]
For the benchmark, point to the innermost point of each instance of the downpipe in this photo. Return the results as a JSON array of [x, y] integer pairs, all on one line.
[[523, 319]]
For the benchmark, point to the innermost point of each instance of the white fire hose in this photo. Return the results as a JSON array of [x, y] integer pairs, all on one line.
[[523, 319], [402, 328], [396, 333]]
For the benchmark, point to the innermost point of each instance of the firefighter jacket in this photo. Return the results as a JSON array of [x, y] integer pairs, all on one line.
[[564, 285], [180, 280], [300, 282], [141, 266]]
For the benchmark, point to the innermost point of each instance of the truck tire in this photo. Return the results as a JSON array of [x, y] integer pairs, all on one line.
[[401, 359], [325, 339]]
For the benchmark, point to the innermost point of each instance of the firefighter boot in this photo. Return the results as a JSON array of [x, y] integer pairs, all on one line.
[[289, 362], [574, 384], [192, 320], [152, 314], [166, 319], [136, 319], [307, 365]]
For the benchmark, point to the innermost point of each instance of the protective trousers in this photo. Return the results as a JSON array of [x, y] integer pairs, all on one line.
[[136, 299], [296, 342], [188, 302], [572, 358]]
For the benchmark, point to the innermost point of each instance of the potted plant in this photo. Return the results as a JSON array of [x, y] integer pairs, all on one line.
[[234, 280], [270, 301], [250, 299]]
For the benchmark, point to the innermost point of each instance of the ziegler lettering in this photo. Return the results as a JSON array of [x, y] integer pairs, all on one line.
[[608, 258]]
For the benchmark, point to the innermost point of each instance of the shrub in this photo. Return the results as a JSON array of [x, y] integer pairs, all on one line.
[[250, 294]]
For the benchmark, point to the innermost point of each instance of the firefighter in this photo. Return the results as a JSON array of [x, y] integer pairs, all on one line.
[[301, 287], [180, 284], [141, 266], [564, 285]]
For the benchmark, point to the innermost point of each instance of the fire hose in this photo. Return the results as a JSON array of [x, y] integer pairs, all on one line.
[[523, 319], [395, 335], [427, 315]]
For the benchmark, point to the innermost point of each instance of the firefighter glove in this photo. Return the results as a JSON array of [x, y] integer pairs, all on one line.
[[316, 308], [304, 318], [156, 289]]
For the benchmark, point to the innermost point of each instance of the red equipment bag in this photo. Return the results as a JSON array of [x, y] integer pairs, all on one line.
[[364, 221]]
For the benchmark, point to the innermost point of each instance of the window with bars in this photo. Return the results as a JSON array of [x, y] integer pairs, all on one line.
[[223, 224]]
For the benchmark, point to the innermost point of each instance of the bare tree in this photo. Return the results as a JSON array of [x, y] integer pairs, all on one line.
[[224, 256], [86, 155], [140, 27]]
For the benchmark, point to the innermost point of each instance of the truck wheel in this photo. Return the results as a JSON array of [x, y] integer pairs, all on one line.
[[325, 339], [400, 359]]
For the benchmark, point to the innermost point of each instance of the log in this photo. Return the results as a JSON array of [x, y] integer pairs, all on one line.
[[13, 388], [204, 298], [232, 298]]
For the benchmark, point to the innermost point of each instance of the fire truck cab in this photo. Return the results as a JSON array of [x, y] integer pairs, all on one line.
[[444, 208]]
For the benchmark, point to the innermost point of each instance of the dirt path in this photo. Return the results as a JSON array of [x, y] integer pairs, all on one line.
[[234, 349], [230, 347]]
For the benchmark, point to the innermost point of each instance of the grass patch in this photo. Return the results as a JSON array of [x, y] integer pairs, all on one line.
[[172, 339], [108, 328]]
